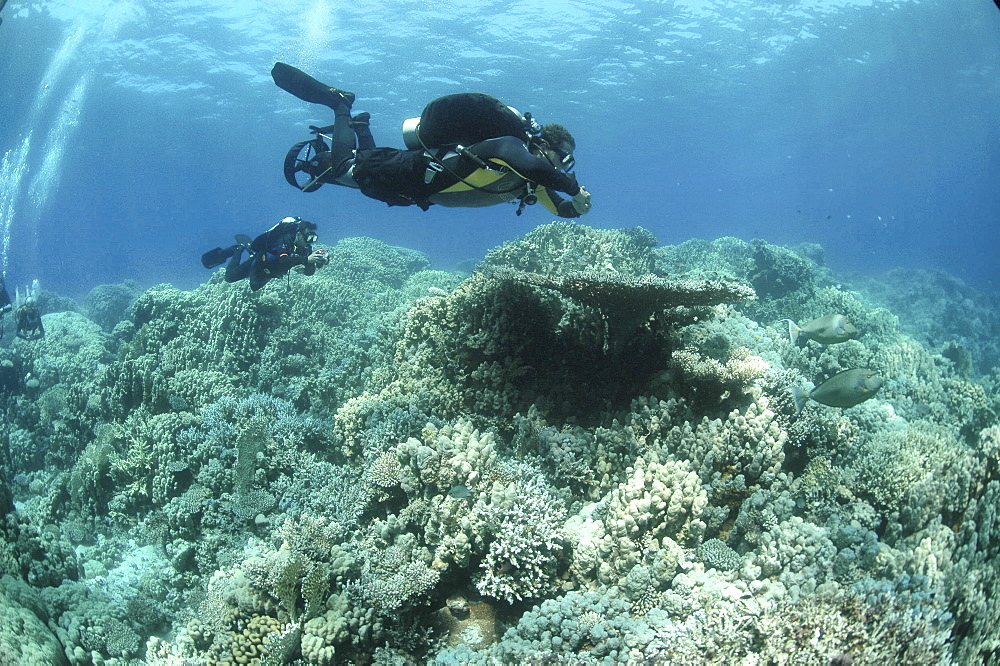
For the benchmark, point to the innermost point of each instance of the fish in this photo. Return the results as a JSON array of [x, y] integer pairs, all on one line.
[[844, 389], [826, 330]]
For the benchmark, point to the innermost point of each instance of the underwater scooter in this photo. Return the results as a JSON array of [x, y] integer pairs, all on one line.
[[301, 159]]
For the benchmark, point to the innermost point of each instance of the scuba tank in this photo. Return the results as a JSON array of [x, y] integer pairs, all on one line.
[[465, 118]]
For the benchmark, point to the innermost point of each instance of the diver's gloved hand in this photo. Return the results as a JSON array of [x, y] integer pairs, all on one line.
[[319, 257], [581, 202]]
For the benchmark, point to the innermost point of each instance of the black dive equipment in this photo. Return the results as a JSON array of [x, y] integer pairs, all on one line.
[[465, 118], [454, 121], [491, 120], [302, 158]]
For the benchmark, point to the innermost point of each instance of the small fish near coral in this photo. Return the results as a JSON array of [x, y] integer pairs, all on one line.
[[826, 330], [844, 389]]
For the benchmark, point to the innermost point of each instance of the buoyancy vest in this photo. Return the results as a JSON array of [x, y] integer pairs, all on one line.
[[397, 177]]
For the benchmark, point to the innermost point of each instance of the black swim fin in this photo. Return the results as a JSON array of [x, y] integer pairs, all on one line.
[[218, 256], [295, 81], [244, 240]]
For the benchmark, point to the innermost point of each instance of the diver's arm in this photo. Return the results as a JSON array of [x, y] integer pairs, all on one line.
[[555, 203], [280, 263], [514, 153], [311, 260]]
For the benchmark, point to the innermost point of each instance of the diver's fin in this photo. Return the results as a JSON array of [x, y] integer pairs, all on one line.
[[295, 81], [244, 240], [218, 256]]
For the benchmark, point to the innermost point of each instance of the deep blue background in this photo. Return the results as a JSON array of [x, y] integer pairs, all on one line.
[[155, 133]]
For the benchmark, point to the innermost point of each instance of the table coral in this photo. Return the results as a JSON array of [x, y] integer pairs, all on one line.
[[562, 247]]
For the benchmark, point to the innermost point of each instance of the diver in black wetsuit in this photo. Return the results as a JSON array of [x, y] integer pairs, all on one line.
[[5, 304], [29, 320], [469, 150], [284, 246]]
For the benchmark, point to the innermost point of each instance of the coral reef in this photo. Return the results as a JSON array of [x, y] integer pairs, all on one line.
[[583, 452]]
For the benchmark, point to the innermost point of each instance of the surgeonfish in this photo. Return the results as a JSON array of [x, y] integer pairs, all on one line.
[[844, 389], [826, 330]]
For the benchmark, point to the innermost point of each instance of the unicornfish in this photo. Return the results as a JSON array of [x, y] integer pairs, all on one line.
[[827, 330], [844, 389]]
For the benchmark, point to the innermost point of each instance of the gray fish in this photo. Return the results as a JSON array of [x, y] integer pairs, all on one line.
[[844, 389], [459, 492], [826, 330]]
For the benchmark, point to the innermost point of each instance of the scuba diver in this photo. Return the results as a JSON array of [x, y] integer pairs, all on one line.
[[29, 321], [5, 305], [286, 245], [466, 150], [28, 314]]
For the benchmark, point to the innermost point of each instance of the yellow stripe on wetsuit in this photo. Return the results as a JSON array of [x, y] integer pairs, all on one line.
[[485, 177], [481, 178]]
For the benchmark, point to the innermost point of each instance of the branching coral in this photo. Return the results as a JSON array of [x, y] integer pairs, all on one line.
[[522, 560]]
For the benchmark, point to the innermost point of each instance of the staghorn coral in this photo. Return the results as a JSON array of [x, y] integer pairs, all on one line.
[[522, 561], [396, 572], [715, 553]]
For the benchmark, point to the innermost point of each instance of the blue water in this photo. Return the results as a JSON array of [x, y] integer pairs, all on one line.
[[136, 135]]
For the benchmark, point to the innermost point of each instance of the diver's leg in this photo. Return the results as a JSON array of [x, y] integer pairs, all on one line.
[[342, 144], [295, 81], [235, 271], [361, 124]]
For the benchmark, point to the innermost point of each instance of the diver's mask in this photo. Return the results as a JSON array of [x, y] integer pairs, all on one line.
[[566, 159]]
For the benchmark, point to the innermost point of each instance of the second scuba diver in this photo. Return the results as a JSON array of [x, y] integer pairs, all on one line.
[[285, 246], [466, 150], [5, 304]]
